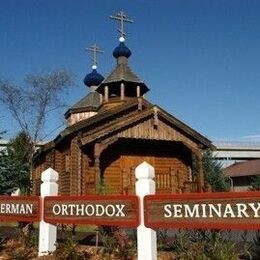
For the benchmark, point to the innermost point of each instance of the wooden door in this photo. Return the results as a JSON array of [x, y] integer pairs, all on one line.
[[128, 163]]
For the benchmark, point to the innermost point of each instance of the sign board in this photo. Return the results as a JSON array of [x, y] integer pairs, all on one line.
[[221, 210], [97, 210], [19, 208]]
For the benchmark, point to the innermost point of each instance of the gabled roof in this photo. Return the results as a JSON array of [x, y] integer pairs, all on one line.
[[104, 115], [247, 168], [125, 116], [112, 120], [185, 128]]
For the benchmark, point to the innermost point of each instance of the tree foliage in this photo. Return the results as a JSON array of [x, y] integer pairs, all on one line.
[[255, 183], [15, 165], [213, 173], [31, 104]]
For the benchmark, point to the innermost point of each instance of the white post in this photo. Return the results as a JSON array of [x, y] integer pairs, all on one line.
[[146, 237], [47, 232]]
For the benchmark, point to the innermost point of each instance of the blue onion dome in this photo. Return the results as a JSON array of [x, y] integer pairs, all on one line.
[[93, 78], [121, 51]]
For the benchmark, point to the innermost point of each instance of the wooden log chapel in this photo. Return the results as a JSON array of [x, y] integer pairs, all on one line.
[[113, 129]]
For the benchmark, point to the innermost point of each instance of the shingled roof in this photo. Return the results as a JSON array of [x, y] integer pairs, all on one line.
[[247, 168], [122, 73], [88, 103], [116, 113]]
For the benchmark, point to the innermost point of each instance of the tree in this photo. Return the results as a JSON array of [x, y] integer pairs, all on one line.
[[15, 165], [213, 172], [29, 105], [255, 183]]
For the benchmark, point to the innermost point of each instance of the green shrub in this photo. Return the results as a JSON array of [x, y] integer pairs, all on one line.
[[117, 242], [255, 250], [2, 242], [201, 245], [213, 173], [255, 183], [24, 246], [164, 241], [23, 253], [69, 250], [108, 238], [126, 246]]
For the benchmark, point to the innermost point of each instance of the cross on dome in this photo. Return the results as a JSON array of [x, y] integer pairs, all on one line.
[[94, 49], [93, 78], [121, 17]]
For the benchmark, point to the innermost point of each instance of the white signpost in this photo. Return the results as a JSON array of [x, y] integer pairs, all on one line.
[[48, 232], [146, 237]]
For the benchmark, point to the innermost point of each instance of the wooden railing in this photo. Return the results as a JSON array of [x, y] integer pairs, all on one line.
[[163, 181], [166, 182], [170, 181]]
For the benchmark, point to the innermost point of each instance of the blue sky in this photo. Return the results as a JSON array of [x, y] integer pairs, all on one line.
[[200, 58]]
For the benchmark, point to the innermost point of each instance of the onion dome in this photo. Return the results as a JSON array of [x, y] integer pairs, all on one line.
[[93, 78], [121, 51]]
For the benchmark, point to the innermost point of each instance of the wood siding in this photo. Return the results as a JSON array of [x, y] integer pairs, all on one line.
[[112, 147], [118, 164], [162, 131], [76, 168], [64, 180], [88, 172]]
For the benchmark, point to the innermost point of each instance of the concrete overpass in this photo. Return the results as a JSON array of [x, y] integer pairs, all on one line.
[[229, 152]]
